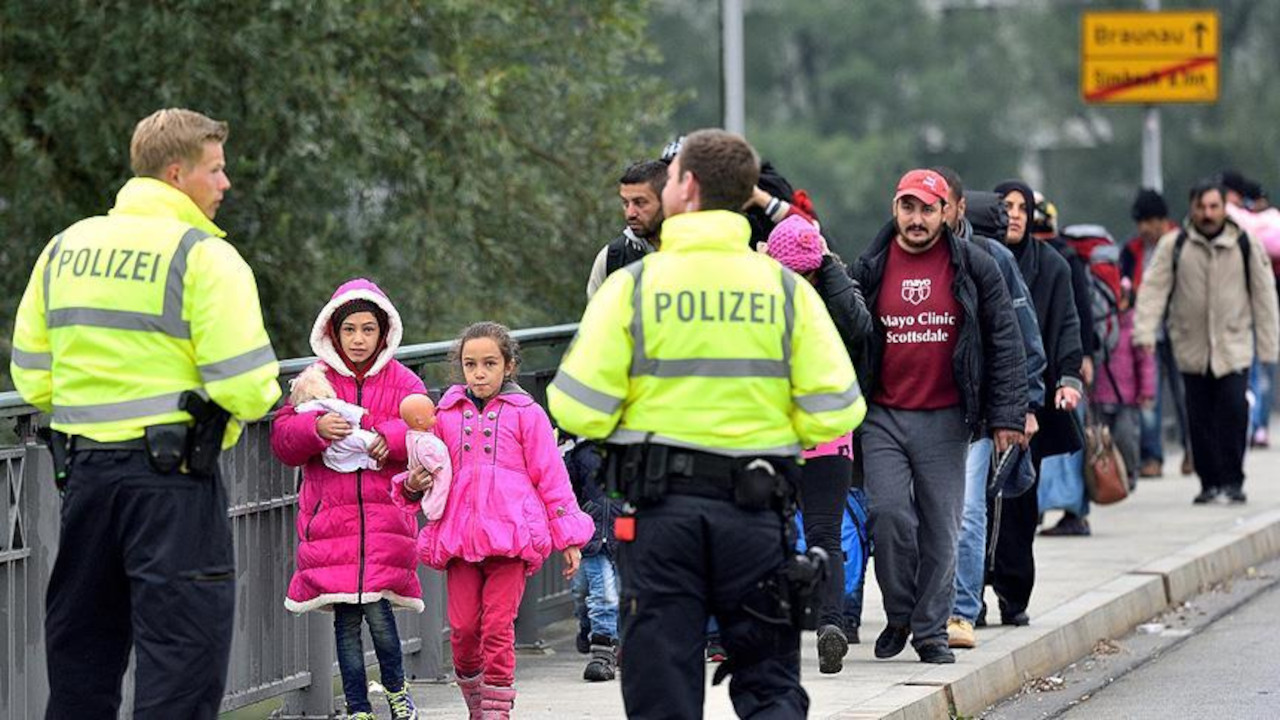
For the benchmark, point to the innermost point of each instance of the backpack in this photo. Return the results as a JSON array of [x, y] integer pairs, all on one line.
[[620, 253], [854, 539], [1099, 251]]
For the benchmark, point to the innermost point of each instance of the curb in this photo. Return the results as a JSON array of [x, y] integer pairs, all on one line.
[[1068, 632]]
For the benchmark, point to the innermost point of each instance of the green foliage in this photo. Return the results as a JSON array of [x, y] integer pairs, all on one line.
[[463, 154]]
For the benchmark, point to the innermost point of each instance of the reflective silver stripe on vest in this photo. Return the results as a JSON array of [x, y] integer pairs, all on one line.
[[788, 314], [169, 321], [623, 436], [116, 411], [642, 364], [237, 365], [592, 398], [48, 272], [828, 402], [719, 367], [32, 361]]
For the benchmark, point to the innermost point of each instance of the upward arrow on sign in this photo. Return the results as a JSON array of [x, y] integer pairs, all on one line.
[[1200, 31]]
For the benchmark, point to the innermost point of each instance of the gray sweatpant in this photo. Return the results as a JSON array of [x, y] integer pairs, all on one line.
[[915, 462]]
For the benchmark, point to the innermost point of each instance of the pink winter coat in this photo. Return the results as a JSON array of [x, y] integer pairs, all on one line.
[[354, 544], [511, 495], [1132, 368]]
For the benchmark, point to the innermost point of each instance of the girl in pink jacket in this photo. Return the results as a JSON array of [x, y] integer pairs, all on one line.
[[510, 505], [355, 546]]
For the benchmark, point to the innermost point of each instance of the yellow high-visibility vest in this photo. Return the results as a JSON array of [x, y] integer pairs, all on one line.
[[125, 312], [709, 346]]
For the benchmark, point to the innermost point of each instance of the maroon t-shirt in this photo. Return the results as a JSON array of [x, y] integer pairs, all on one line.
[[921, 319]]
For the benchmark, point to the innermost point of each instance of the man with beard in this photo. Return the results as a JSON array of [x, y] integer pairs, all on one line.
[[947, 364], [1049, 278], [971, 551], [1214, 284], [640, 188]]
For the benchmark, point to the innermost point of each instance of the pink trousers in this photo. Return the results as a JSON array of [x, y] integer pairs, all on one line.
[[483, 600]]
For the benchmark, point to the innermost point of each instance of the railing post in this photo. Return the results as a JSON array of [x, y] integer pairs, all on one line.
[[316, 699], [42, 509], [428, 663]]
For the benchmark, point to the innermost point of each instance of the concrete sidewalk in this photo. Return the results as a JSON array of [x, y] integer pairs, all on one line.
[[1153, 549]]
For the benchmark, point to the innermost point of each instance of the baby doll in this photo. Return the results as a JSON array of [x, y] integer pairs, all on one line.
[[426, 450], [311, 392]]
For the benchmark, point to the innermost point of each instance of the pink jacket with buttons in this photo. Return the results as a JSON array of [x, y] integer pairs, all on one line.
[[510, 495], [354, 544]]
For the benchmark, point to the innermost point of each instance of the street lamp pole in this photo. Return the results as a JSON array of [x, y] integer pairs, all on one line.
[[1152, 172], [733, 77]]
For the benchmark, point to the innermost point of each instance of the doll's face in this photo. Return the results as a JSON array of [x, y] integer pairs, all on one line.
[[418, 412]]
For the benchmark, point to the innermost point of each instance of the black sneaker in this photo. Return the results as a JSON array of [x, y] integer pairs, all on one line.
[[1235, 496], [583, 641], [981, 620], [892, 640], [832, 647], [1206, 496], [715, 651], [1018, 619], [936, 654]]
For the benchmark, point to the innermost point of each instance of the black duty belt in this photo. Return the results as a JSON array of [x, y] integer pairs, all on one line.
[[80, 443], [690, 472]]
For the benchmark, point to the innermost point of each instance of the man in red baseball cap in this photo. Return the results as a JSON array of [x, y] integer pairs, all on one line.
[[947, 364]]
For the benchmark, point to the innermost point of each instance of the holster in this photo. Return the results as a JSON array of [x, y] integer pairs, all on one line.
[[205, 438], [58, 444], [166, 446]]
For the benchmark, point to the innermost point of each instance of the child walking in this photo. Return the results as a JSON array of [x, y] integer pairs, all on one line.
[[355, 546], [510, 506]]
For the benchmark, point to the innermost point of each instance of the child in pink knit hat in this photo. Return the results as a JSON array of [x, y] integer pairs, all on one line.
[[797, 244]]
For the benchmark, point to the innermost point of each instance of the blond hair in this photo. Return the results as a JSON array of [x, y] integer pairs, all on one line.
[[171, 135]]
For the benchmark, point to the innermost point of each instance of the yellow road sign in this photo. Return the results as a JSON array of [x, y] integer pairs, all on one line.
[[1149, 57]]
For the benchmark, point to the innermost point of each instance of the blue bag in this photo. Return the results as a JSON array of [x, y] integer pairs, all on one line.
[[854, 540], [1062, 482]]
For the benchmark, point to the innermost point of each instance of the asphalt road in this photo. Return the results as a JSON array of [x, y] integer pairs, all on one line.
[[1230, 669]]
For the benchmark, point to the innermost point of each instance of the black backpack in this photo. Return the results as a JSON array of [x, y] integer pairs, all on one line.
[[620, 253]]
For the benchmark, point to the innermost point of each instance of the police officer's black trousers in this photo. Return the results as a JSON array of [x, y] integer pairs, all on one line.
[[694, 557], [144, 561]]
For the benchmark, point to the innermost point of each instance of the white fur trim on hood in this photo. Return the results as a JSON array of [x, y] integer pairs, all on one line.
[[322, 343]]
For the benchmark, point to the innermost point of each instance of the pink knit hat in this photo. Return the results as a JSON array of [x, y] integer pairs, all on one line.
[[796, 244]]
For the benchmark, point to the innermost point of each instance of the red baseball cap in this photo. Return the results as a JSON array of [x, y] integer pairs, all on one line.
[[926, 185]]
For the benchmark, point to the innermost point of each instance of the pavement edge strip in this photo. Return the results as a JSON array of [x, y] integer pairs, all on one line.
[[1068, 632]]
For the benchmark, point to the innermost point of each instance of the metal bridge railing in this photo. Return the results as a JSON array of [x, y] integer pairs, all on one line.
[[274, 653]]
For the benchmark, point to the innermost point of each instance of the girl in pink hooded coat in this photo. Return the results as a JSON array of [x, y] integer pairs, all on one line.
[[355, 546], [509, 506]]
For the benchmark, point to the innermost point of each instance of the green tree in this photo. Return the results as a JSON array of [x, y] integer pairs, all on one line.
[[462, 154]]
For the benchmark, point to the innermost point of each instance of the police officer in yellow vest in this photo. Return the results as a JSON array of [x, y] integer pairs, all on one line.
[[140, 332], [707, 368]]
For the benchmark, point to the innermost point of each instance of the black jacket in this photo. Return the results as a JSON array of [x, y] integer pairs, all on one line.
[[1048, 277], [843, 298], [1080, 292], [989, 365], [584, 463]]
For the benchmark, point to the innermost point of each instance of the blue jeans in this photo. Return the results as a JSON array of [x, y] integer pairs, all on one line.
[[972, 546], [595, 590], [1262, 383], [386, 644]]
